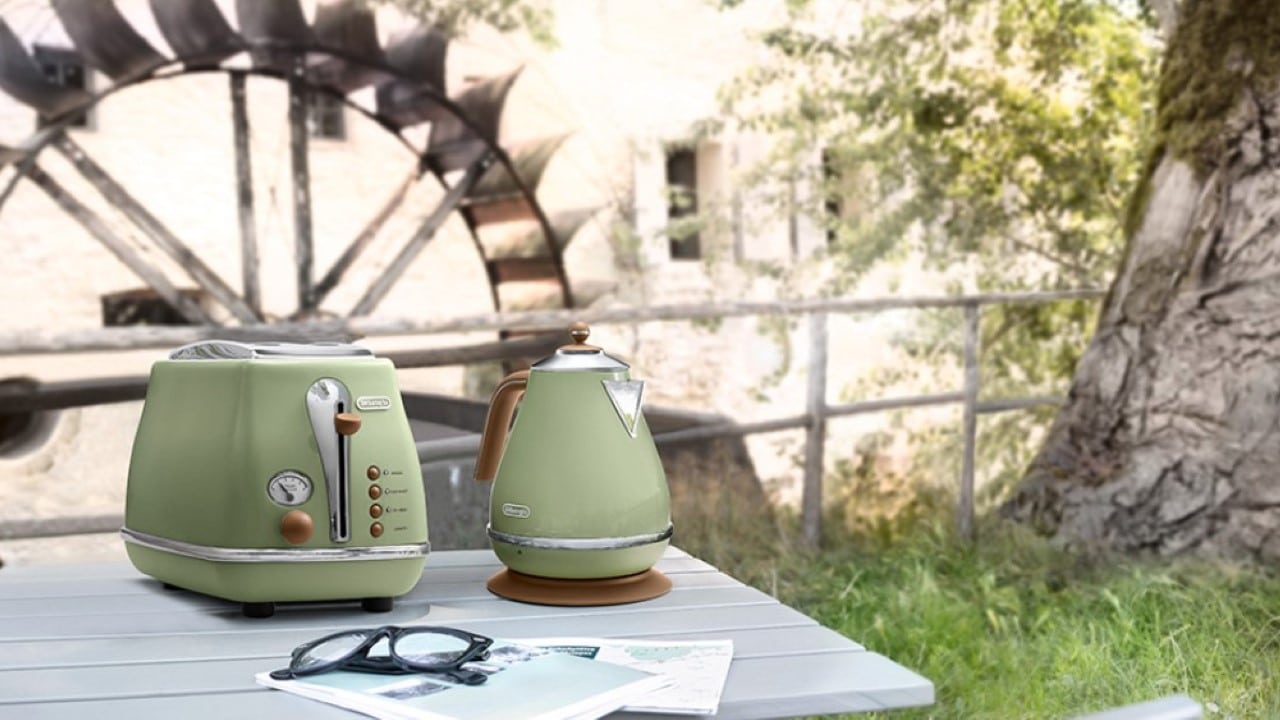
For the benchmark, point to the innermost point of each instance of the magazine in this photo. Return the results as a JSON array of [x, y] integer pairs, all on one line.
[[524, 683], [697, 669]]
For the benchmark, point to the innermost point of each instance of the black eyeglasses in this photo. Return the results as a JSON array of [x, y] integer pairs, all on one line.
[[424, 648]]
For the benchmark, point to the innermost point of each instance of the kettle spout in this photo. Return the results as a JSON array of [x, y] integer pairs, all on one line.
[[502, 406]]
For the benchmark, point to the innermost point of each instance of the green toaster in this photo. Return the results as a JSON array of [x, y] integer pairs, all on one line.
[[276, 472]]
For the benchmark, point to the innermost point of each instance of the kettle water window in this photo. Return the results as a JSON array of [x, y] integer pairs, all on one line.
[[626, 396]]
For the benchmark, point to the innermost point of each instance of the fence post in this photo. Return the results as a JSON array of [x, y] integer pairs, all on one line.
[[815, 434], [964, 509]]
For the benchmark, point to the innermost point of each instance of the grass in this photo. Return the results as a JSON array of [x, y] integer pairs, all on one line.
[[1012, 627]]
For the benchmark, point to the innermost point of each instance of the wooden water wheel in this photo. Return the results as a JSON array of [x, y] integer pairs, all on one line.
[[486, 179]]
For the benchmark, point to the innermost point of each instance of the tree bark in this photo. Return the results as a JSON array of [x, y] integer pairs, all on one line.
[[1170, 437]]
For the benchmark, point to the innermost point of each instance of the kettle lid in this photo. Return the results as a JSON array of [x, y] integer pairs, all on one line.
[[579, 356]]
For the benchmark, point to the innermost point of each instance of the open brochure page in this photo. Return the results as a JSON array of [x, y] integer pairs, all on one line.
[[697, 669], [524, 683]]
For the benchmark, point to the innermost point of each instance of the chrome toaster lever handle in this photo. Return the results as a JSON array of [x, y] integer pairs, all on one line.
[[326, 399]]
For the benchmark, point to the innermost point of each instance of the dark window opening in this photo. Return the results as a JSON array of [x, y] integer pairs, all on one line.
[[325, 117], [143, 307], [682, 202], [62, 66]]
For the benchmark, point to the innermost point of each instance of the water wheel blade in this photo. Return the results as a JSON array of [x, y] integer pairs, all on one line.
[[22, 79], [530, 295], [502, 209], [106, 40], [526, 239], [276, 31], [348, 29], [414, 98], [522, 270], [482, 104], [529, 160], [419, 56], [197, 32]]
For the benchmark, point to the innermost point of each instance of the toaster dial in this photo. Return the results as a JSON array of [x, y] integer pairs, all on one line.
[[289, 488]]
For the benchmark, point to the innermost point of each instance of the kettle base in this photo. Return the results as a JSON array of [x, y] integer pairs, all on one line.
[[537, 590]]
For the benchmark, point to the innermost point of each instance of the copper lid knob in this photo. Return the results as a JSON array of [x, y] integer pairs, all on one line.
[[579, 331]]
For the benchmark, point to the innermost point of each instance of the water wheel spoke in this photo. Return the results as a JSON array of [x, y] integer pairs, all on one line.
[[384, 282], [303, 241], [99, 229], [363, 239], [153, 228], [244, 196]]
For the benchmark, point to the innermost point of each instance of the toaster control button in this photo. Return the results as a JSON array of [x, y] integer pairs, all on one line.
[[375, 510], [375, 529], [373, 472], [375, 492], [296, 527], [346, 423]]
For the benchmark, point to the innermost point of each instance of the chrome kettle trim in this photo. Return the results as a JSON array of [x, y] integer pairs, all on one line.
[[579, 361], [605, 543], [267, 555]]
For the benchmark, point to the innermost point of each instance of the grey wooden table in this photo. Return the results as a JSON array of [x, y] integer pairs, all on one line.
[[101, 641]]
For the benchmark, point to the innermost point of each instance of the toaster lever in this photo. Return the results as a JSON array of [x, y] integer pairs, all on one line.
[[346, 423], [327, 401]]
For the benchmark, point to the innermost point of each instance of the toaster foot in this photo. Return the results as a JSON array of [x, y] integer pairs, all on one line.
[[377, 604], [258, 609]]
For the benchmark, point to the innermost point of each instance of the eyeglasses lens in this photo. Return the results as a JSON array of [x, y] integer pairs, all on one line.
[[329, 651], [431, 648]]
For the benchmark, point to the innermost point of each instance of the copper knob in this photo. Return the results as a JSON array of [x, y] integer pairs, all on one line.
[[346, 423], [296, 527], [579, 331]]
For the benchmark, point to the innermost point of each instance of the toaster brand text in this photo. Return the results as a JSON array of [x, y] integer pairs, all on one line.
[[373, 402]]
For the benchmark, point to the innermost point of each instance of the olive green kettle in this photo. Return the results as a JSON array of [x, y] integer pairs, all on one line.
[[579, 492]]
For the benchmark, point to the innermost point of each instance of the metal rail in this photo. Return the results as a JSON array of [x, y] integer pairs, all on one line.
[[813, 420]]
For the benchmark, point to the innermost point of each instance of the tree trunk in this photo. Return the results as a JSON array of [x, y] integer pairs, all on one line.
[[1170, 438]]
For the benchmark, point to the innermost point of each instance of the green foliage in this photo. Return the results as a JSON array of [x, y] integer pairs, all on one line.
[[1013, 628], [1220, 49], [998, 142], [978, 130], [1010, 627]]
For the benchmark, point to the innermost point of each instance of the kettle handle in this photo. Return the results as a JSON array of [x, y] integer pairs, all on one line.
[[502, 405]]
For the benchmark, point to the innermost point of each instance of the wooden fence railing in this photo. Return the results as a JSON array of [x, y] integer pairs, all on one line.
[[813, 420]]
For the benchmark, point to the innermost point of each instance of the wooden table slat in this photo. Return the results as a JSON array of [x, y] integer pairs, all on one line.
[[101, 641]]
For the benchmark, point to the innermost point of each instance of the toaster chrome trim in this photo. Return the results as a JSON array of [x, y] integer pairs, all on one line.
[[324, 400], [264, 555], [605, 543]]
